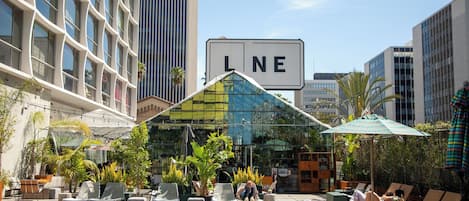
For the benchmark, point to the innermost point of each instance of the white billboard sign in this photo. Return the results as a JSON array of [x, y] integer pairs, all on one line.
[[273, 63]]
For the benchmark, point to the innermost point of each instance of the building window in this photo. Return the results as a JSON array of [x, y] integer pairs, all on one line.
[[131, 35], [48, 9], [11, 20], [43, 53], [120, 23], [107, 47], [128, 100], [92, 34], [106, 88], [70, 68], [72, 18], [90, 79], [119, 58], [118, 95], [129, 67], [109, 11], [95, 3]]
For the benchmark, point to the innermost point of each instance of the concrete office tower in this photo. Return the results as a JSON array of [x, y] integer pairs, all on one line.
[[168, 39], [441, 62], [83, 58], [395, 65], [315, 99]]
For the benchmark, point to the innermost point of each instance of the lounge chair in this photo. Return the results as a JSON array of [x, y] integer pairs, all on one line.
[[31, 189], [372, 196], [450, 196], [167, 191], [223, 192], [88, 191], [393, 187], [113, 191], [433, 195], [407, 190]]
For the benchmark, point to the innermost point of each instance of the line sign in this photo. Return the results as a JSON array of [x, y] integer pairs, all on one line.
[[273, 63]]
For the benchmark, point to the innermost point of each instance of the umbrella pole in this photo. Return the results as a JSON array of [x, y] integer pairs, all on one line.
[[372, 164]]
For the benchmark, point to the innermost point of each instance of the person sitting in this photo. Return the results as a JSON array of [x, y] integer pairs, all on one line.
[[388, 196], [248, 192]]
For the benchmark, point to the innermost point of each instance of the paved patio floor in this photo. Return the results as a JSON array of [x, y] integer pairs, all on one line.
[[277, 197]]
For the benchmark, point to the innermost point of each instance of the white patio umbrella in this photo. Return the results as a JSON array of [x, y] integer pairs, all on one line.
[[373, 125]]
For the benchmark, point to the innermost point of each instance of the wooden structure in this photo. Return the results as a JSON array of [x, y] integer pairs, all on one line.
[[315, 171]]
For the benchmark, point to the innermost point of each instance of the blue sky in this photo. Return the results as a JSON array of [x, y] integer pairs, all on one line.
[[339, 35]]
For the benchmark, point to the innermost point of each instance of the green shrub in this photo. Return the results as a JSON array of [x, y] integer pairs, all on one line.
[[244, 175], [173, 175]]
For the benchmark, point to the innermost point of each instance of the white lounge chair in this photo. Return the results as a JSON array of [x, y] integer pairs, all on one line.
[[88, 191], [167, 191]]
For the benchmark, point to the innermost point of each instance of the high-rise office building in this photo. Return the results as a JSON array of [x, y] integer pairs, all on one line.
[[395, 65], [82, 56], [168, 39], [441, 47], [317, 96]]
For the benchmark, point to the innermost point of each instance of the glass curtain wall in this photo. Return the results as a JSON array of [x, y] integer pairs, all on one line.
[[266, 131]]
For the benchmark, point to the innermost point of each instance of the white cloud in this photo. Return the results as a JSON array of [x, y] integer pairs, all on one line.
[[302, 4]]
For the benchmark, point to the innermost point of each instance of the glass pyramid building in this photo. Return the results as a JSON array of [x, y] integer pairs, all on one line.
[[267, 131]]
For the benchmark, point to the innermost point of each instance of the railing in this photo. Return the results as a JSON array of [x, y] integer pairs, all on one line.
[[10, 55], [42, 69], [70, 82]]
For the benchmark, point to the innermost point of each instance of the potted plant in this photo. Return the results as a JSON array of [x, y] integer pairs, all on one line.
[[4, 182], [175, 175], [75, 168], [207, 159], [242, 175], [135, 156]]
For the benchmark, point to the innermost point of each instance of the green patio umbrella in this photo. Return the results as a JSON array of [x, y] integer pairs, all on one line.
[[373, 125]]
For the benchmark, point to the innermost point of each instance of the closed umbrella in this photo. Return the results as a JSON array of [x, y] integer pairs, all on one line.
[[373, 125], [457, 157]]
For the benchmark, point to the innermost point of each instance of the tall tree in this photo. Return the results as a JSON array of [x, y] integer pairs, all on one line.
[[8, 99], [362, 94], [37, 118], [137, 157], [177, 75]]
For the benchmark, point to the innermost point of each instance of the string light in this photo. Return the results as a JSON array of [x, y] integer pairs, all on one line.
[[69, 112]]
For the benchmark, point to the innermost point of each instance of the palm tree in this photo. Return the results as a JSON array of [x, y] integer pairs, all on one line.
[[362, 94], [177, 75]]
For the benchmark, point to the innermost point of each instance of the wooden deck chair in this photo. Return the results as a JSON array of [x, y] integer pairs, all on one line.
[[371, 196], [433, 195], [393, 187], [407, 190], [450, 196], [30, 189]]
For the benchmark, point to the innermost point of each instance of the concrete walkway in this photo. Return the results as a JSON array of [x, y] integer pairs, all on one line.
[[300, 197], [277, 197]]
